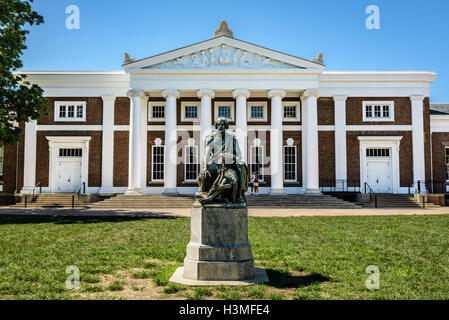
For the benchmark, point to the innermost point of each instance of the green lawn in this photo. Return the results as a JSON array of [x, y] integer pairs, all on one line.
[[305, 257]]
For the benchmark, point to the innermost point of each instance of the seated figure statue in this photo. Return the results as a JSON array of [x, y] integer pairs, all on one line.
[[224, 179]]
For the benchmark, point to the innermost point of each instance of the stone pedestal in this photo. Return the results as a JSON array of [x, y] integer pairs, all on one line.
[[219, 250]]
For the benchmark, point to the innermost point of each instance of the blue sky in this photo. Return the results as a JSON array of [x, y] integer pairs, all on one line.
[[413, 33]]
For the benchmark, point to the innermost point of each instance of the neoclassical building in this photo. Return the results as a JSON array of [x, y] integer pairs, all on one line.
[[300, 127]]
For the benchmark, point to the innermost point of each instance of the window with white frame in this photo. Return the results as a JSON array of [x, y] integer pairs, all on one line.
[[256, 161], [378, 110], [2, 152], [157, 173], [291, 110], [190, 111], [447, 164], [257, 111], [70, 153], [378, 153], [156, 111], [70, 111], [224, 109], [290, 163], [191, 164]]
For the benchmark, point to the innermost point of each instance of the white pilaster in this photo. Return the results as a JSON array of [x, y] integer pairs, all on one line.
[[29, 164], [241, 122], [340, 137], [171, 137], [276, 145], [311, 120], [419, 172], [304, 140], [135, 142], [206, 96], [107, 157]]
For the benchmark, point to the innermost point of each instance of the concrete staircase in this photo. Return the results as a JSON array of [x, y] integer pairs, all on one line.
[[146, 201], [300, 201], [52, 200], [397, 201], [261, 201]]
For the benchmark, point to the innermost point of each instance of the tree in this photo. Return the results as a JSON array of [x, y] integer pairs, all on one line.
[[19, 100]]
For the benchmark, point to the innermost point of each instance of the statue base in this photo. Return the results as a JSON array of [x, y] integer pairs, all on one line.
[[219, 249]]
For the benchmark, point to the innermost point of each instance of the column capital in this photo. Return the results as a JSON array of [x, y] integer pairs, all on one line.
[[108, 98], [135, 93], [241, 92], [311, 93], [341, 98], [276, 92], [170, 92], [206, 92], [419, 98]]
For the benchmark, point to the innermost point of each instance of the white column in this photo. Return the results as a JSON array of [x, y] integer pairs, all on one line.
[[206, 96], [107, 156], [241, 122], [135, 142], [171, 137], [304, 140], [144, 141], [419, 172], [276, 145], [311, 120], [340, 137], [29, 163]]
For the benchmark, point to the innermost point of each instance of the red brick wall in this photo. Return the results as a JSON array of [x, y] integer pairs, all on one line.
[[440, 140], [43, 155], [326, 112], [402, 111], [405, 154], [121, 111], [94, 111], [326, 151], [121, 153]]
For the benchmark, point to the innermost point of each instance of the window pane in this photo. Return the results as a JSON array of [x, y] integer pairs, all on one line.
[[71, 111], [378, 153], [73, 153], [158, 163], [290, 112], [290, 163], [369, 111], [79, 111], [224, 111], [191, 163], [386, 111], [191, 112], [62, 111], [256, 112], [158, 112]]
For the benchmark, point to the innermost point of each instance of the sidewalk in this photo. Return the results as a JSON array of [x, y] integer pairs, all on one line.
[[252, 212]]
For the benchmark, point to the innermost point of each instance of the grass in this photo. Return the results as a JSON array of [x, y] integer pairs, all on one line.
[[305, 257]]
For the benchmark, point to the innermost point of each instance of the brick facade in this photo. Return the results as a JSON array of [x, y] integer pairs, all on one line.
[[94, 111], [402, 111]]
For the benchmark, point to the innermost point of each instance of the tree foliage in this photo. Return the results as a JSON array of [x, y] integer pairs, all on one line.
[[20, 101]]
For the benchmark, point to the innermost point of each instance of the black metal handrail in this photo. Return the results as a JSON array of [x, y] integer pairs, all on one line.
[[38, 185], [431, 186], [340, 185], [78, 192], [371, 194]]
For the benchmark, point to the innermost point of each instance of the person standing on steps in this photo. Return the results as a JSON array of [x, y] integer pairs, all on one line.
[[251, 182], [256, 184]]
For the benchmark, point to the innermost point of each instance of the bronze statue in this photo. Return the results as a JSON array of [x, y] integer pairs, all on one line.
[[224, 179]]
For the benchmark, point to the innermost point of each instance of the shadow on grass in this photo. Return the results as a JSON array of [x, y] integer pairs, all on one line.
[[284, 280], [35, 219]]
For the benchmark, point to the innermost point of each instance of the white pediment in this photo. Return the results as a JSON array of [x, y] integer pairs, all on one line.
[[222, 53], [222, 56]]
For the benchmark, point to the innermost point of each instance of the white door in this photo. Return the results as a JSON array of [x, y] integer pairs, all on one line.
[[379, 176], [68, 174]]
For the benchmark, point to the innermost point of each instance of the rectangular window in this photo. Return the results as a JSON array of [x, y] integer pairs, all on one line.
[[158, 163], [191, 164], [378, 110], [224, 111], [2, 152], [256, 161], [156, 111], [447, 164], [70, 111], [290, 163], [378, 153], [291, 110], [71, 153], [257, 111], [191, 112]]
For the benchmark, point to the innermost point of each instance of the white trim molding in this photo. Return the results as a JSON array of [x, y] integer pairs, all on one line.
[[152, 104], [297, 105], [382, 105], [185, 104], [264, 104], [66, 105]]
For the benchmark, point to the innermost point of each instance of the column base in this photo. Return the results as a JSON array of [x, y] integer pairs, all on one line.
[[170, 192], [313, 192], [134, 192], [277, 192], [106, 190]]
